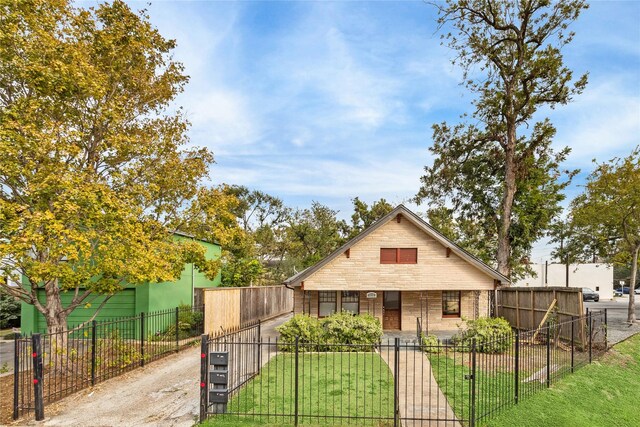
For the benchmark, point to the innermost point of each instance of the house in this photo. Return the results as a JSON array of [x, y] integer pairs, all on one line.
[[134, 299], [596, 276], [399, 269]]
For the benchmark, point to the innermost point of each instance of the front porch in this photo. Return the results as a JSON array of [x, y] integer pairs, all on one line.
[[439, 311]]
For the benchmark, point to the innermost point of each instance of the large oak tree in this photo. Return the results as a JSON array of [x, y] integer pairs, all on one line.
[[498, 173]]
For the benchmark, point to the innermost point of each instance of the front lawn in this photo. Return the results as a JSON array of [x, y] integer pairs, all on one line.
[[331, 386], [604, 393], [494, 389]]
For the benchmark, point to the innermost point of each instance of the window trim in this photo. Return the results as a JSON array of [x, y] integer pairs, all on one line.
[[452, 316], [335, 302]]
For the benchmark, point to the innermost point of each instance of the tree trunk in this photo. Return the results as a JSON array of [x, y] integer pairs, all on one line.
[[56, 318], [504, 241], [631, 318]]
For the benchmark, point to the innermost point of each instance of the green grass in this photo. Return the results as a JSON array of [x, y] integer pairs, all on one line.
[[493, 389], [604, 393], [330, 384]]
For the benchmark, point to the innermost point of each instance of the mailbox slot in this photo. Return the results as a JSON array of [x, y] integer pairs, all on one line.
[[219, 376], [219, 358], [218, 396]]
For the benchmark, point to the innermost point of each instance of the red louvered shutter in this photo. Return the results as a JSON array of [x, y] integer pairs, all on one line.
[[388, 256], [408, 256]]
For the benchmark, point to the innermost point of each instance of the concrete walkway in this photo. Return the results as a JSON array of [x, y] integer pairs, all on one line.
[[421, 401]]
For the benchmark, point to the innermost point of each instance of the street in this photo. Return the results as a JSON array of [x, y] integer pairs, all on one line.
[[618, 329], [6, 355]]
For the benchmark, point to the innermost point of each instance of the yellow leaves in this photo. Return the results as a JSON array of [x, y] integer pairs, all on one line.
[[94, 170]]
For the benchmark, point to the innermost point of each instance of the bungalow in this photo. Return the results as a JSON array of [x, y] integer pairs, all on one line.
[[399, 269]]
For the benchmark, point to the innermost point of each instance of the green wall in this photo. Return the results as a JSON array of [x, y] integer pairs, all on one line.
[[134, 300]]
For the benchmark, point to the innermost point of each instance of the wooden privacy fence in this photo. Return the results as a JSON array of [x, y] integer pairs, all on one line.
[[526, 308], [229, 308]]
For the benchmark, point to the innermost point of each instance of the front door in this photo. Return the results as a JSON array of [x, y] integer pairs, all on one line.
[[391, 310]]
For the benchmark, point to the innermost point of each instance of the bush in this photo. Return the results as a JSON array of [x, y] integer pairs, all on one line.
[[9, 311], [430, 343], [331, 333], [306, 328], [189, 325], [363, 331], [491, 334]]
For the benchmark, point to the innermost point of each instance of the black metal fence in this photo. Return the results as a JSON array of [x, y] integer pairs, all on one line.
[[48, 367], [244, 378]]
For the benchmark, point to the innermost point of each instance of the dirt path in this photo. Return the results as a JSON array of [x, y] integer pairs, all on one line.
[[163, 393]]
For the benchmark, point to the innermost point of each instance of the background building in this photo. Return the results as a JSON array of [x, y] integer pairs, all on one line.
[[598, 277]]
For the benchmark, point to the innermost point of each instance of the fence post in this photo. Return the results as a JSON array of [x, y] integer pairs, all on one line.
[[142, 339], [295, 421], [16, 374], [590, 335], [178, 329], [36, 345], [93, 352], [573, 341], [517, 368], [472, 417], [204, 386], [259, 358], [606, 333], [396, 383], [548, 356]]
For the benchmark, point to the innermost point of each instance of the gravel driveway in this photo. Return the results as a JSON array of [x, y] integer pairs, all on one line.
[[163, 393]]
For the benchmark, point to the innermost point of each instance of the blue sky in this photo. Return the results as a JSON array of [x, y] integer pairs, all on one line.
[[331, 100]]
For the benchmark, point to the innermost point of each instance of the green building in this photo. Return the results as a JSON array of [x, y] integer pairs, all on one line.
[[133, 300]]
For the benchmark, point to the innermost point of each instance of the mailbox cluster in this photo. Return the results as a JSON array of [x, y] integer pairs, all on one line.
[[219, 380]]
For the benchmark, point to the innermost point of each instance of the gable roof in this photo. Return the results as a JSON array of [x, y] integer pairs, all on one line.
[[191, 236], [418, 222]]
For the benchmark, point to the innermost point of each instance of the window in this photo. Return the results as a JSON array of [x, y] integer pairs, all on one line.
[[326, 303], [451, 304], [307, 302], [350, 301], [398, 255]]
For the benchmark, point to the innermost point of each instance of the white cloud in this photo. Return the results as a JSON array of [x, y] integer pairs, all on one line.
[[602, 122]]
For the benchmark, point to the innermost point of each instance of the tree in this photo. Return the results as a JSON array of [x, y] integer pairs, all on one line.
[[94, 176], [467, 232], [313, 234], [609, 211], [9, 310], [363, 215], [500, 172]]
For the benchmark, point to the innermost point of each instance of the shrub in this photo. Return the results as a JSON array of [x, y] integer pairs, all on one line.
[[306, 328], [491, 334], [331, 333], [430, 343], [363, 331], [189, 325], [9, 311]]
